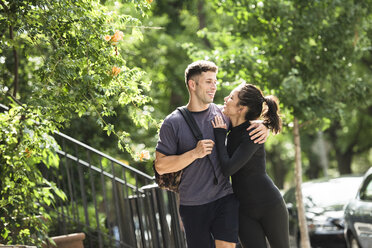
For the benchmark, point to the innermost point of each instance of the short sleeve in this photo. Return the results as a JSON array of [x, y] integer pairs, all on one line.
[[167, 143]]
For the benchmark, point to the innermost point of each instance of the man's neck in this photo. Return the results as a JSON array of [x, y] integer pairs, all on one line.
[[196, 106]]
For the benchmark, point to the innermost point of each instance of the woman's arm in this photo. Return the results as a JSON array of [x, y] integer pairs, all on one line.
[[244, 152]]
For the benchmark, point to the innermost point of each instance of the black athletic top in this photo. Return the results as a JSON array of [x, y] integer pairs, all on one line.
[[245, 162]]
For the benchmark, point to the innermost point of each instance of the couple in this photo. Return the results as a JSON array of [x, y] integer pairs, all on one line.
[[213, 213]]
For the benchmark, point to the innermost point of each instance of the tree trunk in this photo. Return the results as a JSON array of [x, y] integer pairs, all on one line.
[[202, 22], [201, 14], [314, 169], [343, 158], [310, 146], [305, 243], [277, 168], [344, 161], [175, 100], [322, 152], [15, 54]]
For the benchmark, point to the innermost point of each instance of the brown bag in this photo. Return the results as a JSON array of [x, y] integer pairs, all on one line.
[[168, 181], [171, 181]]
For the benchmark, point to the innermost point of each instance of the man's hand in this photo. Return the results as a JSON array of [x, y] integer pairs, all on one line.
[[259, 133], [203, 148]]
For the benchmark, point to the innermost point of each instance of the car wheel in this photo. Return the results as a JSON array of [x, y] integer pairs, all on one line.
[[353, 242]]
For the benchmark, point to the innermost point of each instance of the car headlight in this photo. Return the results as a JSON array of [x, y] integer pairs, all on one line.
[[340, 223], [322, 224]]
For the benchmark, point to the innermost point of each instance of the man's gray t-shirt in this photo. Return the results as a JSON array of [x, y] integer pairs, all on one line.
[[175, 138]]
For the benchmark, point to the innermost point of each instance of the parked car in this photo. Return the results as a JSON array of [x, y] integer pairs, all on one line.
[[324, 200], [358, 216]]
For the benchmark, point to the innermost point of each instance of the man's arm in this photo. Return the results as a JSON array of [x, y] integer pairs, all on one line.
[[172, 163], [259, 132]]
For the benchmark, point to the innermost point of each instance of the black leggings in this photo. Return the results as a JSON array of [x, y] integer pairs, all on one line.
[[256, 223]]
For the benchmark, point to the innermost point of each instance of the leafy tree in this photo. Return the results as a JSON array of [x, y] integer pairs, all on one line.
[[159, 52], [59, 59], [349, 138], [347, 133], [303, 52], [24, 192]]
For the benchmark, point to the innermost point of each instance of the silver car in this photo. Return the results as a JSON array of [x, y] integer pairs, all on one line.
[[358, 216], [324, 201]]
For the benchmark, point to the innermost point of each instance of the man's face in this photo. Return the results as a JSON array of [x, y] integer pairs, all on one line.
[[206, 86]]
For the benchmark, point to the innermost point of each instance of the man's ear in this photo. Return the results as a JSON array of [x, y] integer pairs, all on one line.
[[192, 84]]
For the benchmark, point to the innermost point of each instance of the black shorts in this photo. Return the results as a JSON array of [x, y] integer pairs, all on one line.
[[217, 220]]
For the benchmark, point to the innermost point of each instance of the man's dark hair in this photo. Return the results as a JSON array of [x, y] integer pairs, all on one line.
[[196, 68]]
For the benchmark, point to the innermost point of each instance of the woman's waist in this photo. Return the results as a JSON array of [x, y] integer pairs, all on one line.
[[259, 185], [257, 195], [251, 175]]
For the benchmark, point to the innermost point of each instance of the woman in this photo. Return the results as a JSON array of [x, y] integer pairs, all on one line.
[[262, 211]]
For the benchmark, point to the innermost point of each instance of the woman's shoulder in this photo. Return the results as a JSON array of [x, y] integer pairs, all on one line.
[[246, 138]]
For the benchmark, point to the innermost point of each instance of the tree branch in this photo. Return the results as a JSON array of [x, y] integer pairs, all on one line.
[[14, 99]]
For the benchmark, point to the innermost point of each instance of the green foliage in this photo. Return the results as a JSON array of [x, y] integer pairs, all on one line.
[[302, 50], [159, 52], [24, 192], [75, 61], [59, 60]]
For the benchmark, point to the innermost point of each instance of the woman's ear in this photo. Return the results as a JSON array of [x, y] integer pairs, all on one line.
[[243, 109]]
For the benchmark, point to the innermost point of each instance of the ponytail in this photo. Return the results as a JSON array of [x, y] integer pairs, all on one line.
[[271, 116], [252, 97]]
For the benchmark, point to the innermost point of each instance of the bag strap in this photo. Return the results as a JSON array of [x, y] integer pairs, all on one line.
[[196, 132], [191, 122]]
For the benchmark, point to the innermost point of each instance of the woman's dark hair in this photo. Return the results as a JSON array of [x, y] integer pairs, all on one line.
[[252, 97]]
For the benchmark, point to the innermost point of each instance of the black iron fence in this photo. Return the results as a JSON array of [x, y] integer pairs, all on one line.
[[114, 204]]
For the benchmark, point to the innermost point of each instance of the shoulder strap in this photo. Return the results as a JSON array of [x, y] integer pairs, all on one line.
[[197, 133], [191, 122]]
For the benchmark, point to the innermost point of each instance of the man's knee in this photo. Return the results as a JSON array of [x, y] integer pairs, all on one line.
[[224, 244]]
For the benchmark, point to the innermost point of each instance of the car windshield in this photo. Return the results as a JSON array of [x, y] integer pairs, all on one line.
[[336, 191]]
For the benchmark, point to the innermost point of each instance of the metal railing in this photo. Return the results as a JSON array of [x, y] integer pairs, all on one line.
[[114, 204]]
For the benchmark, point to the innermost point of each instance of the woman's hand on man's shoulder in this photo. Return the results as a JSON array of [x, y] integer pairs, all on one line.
[[219, 122]]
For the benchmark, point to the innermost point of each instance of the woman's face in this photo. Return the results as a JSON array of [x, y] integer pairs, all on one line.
[[231, 106]]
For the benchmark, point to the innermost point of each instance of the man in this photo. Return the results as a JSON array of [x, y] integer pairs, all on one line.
[[208, 207]]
